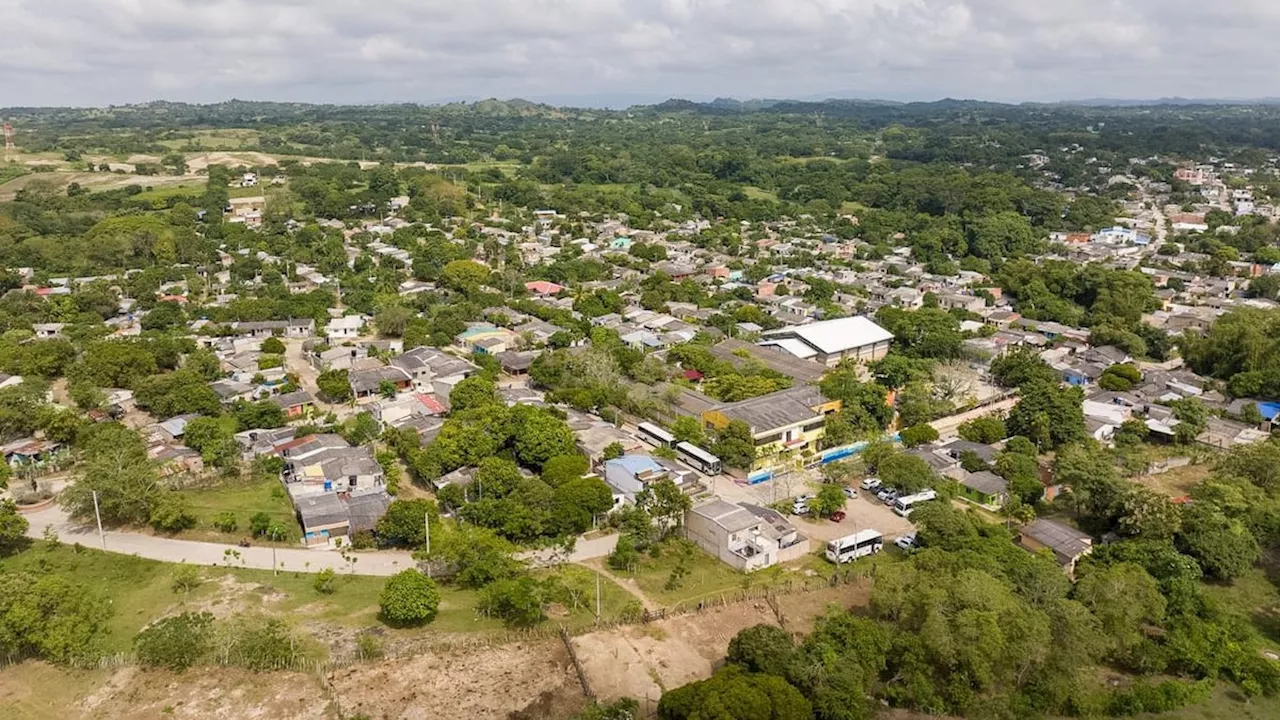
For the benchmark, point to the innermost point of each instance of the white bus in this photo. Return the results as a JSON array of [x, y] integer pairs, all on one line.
[[698, 459], [904, 505], [655, 435], [852, 547]]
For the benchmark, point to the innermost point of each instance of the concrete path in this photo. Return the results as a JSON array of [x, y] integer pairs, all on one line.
[[293, 559]]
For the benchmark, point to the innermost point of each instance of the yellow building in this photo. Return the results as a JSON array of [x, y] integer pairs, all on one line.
[[788, 421]]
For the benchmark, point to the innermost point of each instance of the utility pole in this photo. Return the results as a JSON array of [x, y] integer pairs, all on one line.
[[597, 596], [275, 569], [426, 522], [98, 515]]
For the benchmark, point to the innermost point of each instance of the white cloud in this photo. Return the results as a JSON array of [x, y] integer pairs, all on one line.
[[104, 51]]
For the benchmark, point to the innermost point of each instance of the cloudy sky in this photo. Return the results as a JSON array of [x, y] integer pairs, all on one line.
[[94, 52]]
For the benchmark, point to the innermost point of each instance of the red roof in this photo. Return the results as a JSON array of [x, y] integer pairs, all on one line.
[[543, 287], [173, 298], [432, 404], [692, 374]]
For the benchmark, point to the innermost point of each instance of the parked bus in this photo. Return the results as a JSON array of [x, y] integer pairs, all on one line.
[[655, 435], [699, 459], [905, 504], [852, 547]]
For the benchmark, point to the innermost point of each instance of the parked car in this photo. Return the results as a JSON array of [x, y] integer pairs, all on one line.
[[837, 516], [871, 483], [850, 492], [887, 496], [799, 508], [906, 541]]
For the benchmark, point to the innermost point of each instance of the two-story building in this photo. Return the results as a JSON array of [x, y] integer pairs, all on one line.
[[745, 537]]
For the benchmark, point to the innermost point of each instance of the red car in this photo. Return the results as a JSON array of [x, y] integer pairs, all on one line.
[[837, 516]]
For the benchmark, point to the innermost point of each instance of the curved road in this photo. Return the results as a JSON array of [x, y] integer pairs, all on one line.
[[293, 559]]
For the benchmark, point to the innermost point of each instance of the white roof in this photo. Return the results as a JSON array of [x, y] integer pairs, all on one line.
[[841, 334], [793, 346]]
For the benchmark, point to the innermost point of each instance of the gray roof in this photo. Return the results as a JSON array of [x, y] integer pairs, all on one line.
[[288, 400], [733, 518], [985, 482], [320, 510], [770, 412], [1065, 541], [366, 509], [369, 380]]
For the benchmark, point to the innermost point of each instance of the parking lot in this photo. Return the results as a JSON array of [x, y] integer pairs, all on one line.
[[864, 512]]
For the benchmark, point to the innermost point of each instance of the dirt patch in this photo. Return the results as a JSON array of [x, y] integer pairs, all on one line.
[[801, 610], [206, 694], [642, 661], [202, 161], [490, 682], [144, 159]]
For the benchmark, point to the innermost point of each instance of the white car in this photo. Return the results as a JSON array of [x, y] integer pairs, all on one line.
[[887, 496], [907, 541], [850, 492], [871, 483]]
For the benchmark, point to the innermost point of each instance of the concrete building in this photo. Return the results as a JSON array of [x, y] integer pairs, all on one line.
[[830, 341], [744, 537]]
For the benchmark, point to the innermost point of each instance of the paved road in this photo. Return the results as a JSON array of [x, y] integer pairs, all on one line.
[[381, 563]]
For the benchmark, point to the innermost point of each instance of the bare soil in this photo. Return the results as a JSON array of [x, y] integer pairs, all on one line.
[[532, 679], [642, 661], [205, 694]]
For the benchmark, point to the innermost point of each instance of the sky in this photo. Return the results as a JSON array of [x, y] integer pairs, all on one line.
[[620, 52]]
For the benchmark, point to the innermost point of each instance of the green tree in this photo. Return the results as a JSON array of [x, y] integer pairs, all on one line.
[[117, 468], [665, 502], [405, 522], [734, 693], [172, 514], [1224, 547], [735, 446], [688, 429], [272, 346], [987, 429], [409, 598], [577, 502], [917, 435], [13, 527], [542, 436], [1125, 599], [473, 392], [464, 275], [517, 601], [50, 617], [1022, 366], [334, 385], [830, 499], [906, 473], [613, 451], [564, 468], [1051, 416], [764, 649], [1192, 418]]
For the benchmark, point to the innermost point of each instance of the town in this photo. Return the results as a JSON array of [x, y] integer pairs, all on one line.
[[415, 398]]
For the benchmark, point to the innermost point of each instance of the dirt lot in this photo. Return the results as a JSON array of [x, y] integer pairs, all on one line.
[[534, 679], [801, 610], [642, 661]]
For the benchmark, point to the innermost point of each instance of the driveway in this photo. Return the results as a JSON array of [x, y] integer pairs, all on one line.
[[861, 513]]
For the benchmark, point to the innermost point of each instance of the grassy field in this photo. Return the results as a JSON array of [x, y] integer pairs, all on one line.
[[37, 691], [159, 195], [707, 577], [142, 591], [220, 139], [243, 499]]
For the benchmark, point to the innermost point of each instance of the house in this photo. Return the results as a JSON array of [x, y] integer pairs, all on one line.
[[294, 328], [741, 538], [336, 358], [294, 404], [485, 338], [433, 370], [48, 331], [8, 381], [985, 488], [346, 327], [830, 341], [29, 451], [322, 517], [230, 391], [516, 364], [262, 441], [630, 474], [367, 383], [1067, 544], [543, 288]]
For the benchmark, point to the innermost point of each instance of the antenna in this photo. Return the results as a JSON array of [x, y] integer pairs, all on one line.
[[8, 141]]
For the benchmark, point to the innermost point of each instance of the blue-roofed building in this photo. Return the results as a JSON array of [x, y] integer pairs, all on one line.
[[630, 474]]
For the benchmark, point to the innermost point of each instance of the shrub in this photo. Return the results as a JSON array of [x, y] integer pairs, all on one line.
[[176, 642], [185, 578], [369, 646], [225, 522], [172, 515], [260, 643], [518, 601], [324, 582], [409, 598], [259, 523], [918, 435]]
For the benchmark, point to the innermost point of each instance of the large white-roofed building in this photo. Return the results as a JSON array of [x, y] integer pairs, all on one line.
[[831, 341]]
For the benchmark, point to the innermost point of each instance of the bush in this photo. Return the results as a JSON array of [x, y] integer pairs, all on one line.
[[272, 346], [518, 602], [185, 578], [409, 598], [369, 646], [324, 582], [986, 430], [918, 435], [259, 523], [225, 522], [172, 515], [176, 642], [261, 643]]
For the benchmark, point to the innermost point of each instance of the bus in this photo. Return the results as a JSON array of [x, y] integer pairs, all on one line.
[[905, 504], [852, 547], [655, 435], [698, 459]]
